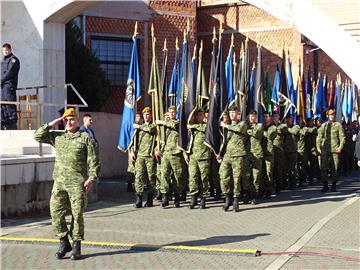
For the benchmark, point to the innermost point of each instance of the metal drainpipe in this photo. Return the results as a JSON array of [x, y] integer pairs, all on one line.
[[84, 29]]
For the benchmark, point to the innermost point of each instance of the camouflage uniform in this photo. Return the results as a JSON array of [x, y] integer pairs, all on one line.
[[302, 164], [199, 163], [290, 149], [172, 160], [145, 166], [279, 156], [232, 165], [330, 136], [268, 148], [256, 132], [76, 161], [310, 149]]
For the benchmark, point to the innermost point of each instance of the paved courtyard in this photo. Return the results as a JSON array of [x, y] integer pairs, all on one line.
[[301, 229]]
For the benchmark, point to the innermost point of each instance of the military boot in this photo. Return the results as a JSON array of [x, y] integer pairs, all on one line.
[[76, 253], [158, 195], [63, 248], [193, 202], [149, 200], [203, 203], [176, 200], [183, 196], [138, 203], [246, 198], [325, 187], [333, 187], [227, 203], [236, 204], [165, 200]]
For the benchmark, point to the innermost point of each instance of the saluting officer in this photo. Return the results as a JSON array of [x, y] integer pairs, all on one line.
[[10, 67]]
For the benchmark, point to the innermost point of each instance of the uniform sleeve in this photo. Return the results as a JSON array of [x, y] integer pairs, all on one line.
[[271, 133], [342, 137], [238, 128], [43, 135], [172, 125], [257, 132], [12, 72], [199, 127], [93, 160], [319, 136], [295, 130], [148, 128]]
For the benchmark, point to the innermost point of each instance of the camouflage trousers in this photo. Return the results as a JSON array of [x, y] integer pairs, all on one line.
[[172, 168], [233, 168], [145, 169], [65, 197], [329, 161], [279, 160], [269, 171], [313, 165], [199, 177], [158, 176], [302, 167], [290, 167], [256, 169]]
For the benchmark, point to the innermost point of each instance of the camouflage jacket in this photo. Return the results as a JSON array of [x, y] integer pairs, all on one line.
[[310, 139], [199, 150], [76, 158], [281, 130], [301, 142], [236, 140], [268, 140], [291, 139], [330, 136], [146, 140], [256, 132], [172, 137]]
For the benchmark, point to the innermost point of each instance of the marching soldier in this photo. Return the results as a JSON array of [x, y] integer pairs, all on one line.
[[76, 168], [145, 166], [268, 148], [233, 161], [302, 164], [256, 132], [199, 162], [329, 143], [172, 160], [279, 154], [310, 148], [290, 148]]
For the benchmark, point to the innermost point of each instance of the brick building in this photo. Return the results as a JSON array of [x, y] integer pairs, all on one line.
[[108, 27]]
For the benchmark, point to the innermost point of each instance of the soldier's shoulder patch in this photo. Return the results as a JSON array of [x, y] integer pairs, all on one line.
[[13, 60]]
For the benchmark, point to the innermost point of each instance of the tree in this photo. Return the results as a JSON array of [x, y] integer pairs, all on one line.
[[84, 72]]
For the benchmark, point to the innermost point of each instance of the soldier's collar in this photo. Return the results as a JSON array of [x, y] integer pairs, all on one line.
[[72, 135]]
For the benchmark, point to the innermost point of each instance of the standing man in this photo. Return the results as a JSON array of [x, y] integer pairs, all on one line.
[[302, 160], [329, 143], [10, 67], [256, 133], [87, 124], [233, 161], [172, 163], [76, 168], [145, 165], [199, 163], [311, 152]]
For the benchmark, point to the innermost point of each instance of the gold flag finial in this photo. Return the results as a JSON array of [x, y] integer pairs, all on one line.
[[201, 47], [184, 36], [214, 35], [232, 40], [188, 26], [194, 52], [165, 48], [135, 31], [177, 43], [152, 30]]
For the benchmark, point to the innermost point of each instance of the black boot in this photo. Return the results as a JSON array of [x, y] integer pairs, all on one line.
[[333, 187], [217, 196], [149, 199], [63, 248], [193, 202], [76, 253], [227, 203], [203, 203], [246, 198], [158, 195], [165, 200], [138, 203], [183, 196], [325, 188], [176, 200], [236, 204]]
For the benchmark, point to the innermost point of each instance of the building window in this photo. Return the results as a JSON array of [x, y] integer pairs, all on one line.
[[114, 56]]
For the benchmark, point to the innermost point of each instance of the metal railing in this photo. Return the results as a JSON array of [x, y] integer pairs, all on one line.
[[41, 105]]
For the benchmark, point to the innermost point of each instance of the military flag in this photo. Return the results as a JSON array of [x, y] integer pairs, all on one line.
[[163, 78], [251, 94], [174, 81], [213, 63], [318, 106], [260, 105], [156, 91], [344, 103], [338, 98], [269, 105], [300, 95], [354, 97], [291, 91], [218, 103], [132, 96], [308, 95], [201, 90], [331, 96], [244, 77], [229, 73]]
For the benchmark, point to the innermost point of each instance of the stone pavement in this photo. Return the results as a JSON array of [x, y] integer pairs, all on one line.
[[324, 229]]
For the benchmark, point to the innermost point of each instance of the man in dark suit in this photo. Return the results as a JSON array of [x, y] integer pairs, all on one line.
[[10, 67], [86, 127]]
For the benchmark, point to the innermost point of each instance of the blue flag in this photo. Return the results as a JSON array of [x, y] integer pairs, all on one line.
[[337, 102], [292, 94], [319, 98], [344, 104], [275, 97], [180, 76], [173, 87], [132, 95], [230, 76], [308, 95], [251, 98]]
